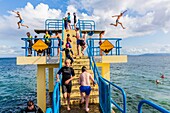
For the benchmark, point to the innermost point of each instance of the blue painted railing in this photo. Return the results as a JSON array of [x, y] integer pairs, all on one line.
[[54, 45], [105, 99], [159, 108], [86, 25], [53, 24], [49, 110], [95, 47]]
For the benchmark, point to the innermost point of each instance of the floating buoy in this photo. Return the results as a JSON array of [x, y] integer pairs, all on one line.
[[162, 76], [157, 82]]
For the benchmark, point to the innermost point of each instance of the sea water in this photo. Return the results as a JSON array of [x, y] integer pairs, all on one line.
[[137, 77]]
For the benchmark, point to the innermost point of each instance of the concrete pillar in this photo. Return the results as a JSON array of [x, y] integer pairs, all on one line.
[[41, 87], [51, 79], [105, 72]]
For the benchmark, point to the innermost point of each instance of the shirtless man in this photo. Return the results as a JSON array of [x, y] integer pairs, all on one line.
[[84, 81], [21, 21], [117, 20]]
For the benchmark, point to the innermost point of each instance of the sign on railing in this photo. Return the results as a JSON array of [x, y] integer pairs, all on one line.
[[39, 46], [106, 46]]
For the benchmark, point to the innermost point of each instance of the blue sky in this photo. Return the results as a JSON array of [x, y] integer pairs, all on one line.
[[147, 25]]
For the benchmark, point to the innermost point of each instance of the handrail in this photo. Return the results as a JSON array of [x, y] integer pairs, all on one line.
[[56, 105], [57, 22], [49, 110], [159, 108], [95, 48], [56, 92], [26, 47], [98, 77]]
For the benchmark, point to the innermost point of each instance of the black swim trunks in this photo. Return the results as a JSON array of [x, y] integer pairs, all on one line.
[[66, 88], [67, 72]]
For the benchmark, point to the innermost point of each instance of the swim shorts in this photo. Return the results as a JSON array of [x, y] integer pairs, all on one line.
[[82, 43], [117, 21], [21, 21], [85, 89], [78, 41], [66, 88], [69, 44], [69, 21]]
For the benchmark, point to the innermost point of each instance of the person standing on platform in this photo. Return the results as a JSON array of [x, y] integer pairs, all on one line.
[[69, 20], [59, 39], [30, 43], [100, 42], [84, 81], [66, 23], [75, 20], [67, 76], [48, 42]]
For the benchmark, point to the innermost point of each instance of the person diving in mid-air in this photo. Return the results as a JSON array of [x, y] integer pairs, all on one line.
[[21, 21], [117, 20]]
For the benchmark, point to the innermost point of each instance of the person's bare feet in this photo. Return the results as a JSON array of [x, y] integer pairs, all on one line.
[[87, 109], [68, 108]]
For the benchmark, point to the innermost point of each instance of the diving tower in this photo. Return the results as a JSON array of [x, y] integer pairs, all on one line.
[[92, 60]]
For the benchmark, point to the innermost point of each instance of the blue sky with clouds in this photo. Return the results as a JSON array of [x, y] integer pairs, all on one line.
[[147, 25]]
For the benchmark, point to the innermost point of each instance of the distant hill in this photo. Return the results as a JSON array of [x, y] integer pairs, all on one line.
[[155, 54]]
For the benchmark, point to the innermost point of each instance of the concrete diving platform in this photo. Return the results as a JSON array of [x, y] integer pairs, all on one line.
[[38, 31]]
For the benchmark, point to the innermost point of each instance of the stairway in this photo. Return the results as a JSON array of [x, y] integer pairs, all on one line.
[[75, 94]]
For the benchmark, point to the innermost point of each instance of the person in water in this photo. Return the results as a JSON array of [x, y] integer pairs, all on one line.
[[31, 108], [67, 76], [117, 20], [67, 53], [21, 21], [84, 81]]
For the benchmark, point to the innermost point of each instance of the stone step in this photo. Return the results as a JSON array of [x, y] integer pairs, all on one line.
[[78, 71], [78, 67], [81, 57], [77, 99], [94, 108]]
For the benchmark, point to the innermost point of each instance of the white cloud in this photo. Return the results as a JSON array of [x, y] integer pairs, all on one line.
[[152, 16]]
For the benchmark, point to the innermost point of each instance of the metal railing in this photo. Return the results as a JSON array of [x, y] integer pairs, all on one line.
[[105, 99], [56, 92], [86, 25], [49, 110], [53, 48], [159, 108], [95, 47], [53, 24]]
